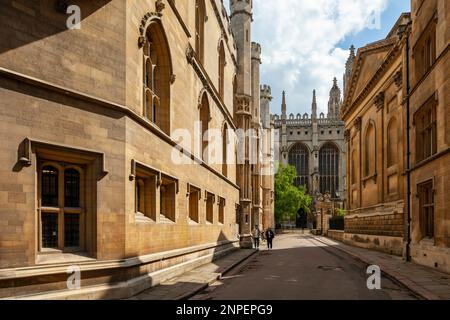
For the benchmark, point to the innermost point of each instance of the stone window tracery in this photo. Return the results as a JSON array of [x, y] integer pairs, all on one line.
[[299, 158], [157, 77], [329, 169]]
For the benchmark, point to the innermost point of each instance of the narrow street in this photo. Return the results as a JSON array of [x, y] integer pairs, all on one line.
[[301, 267]]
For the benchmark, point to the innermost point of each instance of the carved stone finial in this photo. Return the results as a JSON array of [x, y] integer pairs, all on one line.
[[173, 78], [160, 6], [190, 54]]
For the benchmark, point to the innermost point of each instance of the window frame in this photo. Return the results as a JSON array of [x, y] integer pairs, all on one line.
[[157, 75], [426, 196], [200, 21], [221, 71], [426, 133], [194, 195], [424, 50], [326, 176], [210, 199], [61, 210], [300, 150], [221, 204]]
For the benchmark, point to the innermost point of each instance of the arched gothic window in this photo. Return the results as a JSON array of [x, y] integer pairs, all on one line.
[[299, 158], [204, 119], [200, 16], [369, 151], [224, 150], [221, 70], [392, 140], [329, 169], [157, 74]]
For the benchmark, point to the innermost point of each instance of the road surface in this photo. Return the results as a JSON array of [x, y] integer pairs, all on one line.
[[300, 267]]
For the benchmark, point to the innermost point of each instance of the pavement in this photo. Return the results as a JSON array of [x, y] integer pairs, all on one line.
[[302, 268], [196, 280], [425, 282]]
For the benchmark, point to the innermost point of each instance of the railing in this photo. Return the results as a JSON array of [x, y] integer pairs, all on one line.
[[337, 223]]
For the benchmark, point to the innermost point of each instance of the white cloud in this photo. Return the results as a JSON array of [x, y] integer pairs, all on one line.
[[299, 41]]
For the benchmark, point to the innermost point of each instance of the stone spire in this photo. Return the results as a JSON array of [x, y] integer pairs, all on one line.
[[314, 105], [334, 102], [283, 106], [349, 67]]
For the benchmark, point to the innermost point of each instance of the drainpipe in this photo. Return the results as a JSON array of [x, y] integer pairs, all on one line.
[[408, 146]]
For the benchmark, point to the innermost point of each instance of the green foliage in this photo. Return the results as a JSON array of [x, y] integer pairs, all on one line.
[[288, 197], [340, 212]]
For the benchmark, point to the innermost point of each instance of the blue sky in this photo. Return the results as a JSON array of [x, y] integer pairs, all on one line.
[[388, 18], [305, 43]]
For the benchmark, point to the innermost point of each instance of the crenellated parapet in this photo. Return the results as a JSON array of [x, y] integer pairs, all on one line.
[[266, 92], [256, 51], [241, 6]]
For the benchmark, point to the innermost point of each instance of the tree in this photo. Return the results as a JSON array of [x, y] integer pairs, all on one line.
[[288, 197]]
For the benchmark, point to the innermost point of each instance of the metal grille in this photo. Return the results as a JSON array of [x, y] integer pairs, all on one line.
[[71, 230], [426, 199], [329, 169], [49, 192], [49, 230], [299, 158], [72, 188]]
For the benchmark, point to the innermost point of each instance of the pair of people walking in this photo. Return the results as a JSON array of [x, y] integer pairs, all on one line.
[[268, 235]]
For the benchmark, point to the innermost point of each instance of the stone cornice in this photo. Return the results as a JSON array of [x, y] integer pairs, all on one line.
[[348, 105], [180, 19], [9, 74], [379, 101]]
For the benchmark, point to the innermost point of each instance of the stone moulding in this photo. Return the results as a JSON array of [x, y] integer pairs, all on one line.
[[112, 106], [180, 19], [149, 18], [28, 146], [348, 105], [379, 100], [48, 269], [160, 174]]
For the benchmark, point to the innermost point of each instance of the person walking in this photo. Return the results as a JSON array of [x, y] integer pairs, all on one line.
[[269, 237], [256, 234]]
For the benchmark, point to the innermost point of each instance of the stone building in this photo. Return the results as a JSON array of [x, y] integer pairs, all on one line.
[[396, 112], [315, 145], [374, 127], [103, 166], [429, 119]]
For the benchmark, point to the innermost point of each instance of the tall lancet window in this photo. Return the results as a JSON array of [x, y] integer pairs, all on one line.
[[205, 117], [156, 79], [329, 169], [221, 70], [200, 16], [299, 158]]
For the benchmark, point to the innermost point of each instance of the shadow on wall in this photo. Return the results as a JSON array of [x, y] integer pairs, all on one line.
[[24, 22], [145, 276]]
